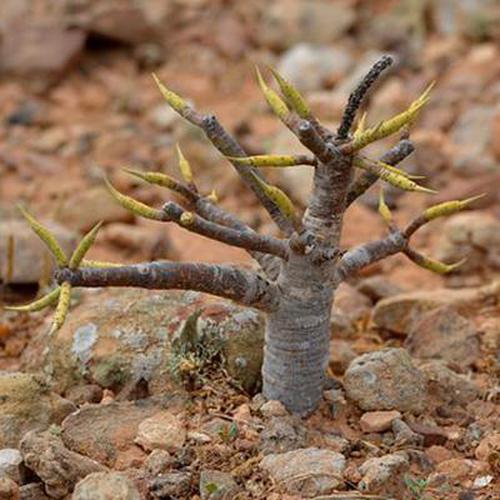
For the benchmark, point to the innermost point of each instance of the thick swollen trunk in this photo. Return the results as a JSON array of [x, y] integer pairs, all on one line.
[[297, 338]]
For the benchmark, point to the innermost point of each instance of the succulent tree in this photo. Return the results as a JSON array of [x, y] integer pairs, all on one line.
[[298, 273]]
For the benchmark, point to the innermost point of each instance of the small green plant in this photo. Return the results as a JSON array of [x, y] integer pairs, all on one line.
[[416, 486], [194, 351], [228, 433]]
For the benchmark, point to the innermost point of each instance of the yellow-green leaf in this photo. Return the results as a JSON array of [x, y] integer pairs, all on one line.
[[62, 307], [38, 304], [187, 218], [184, 166], [271, 160], [157, 178], [175, 101], [47, 237], [277, 196], [392, 125], [84, 246], [383, 209], [292, 95], [134, 206], [273, 99], [436, 266], [449, 207]]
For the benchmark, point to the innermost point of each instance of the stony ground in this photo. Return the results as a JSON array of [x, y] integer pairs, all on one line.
[[156, 395]]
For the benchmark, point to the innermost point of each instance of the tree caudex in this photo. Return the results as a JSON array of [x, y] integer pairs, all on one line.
[[297, 274]]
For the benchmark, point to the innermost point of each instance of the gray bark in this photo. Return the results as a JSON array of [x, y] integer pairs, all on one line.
[[297, 336]]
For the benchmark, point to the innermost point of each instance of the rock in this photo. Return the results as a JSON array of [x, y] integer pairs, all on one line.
[[10, 464], [438, 454], [307, 472], [51, 140], [282, 434], [341, 355], [273, 409], [351, 303], [399, 313], [39, 52], [171, 485], [32, 261], [81, 394], [405, 436], [286, 22], [448, 387], [27, 403], [163, 430], [216, 485], [127, 339], [378, 421], [472, 138], [99, 205], [158, 462], [104, 486], [125, 23], [386, 380], [384, 473], [33, 491], [444, 334], [59, 468], [311, 67], [9, 490], [432, 434], [475, 235], [474, 19], [104, 431], [488, 447], [377, 288], [460, 469]]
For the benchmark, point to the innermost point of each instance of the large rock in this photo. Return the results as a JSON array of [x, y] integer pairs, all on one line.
[[384, 473], [475, 236], [31, 260], [27, 403], [444, 334], [163, 430], [287, 22], [386, 380], [105, 486], [472, 140], [399, 313], [59, 468], [99, 206], [311, 67], [447, 387], [127, 22], [106, 432], [38, 52], [120, 338], [307, 472], [10, 464]]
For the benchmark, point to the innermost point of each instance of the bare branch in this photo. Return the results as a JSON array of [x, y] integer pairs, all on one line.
[[363, 182], [242, 286], [357, 96], [242, 239], [270, 265], [228, 146], [364, 255]]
